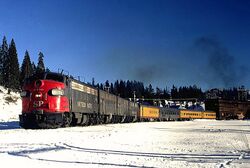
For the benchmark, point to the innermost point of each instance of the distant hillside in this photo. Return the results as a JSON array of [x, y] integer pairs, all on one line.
[[10, 105]]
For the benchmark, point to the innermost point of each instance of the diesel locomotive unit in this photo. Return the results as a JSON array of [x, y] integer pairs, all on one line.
[[51, 100]]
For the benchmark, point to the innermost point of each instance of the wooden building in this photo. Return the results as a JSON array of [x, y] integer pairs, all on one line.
[[229, 109]]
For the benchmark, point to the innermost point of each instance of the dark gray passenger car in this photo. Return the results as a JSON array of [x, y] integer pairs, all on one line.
[[169, 114]]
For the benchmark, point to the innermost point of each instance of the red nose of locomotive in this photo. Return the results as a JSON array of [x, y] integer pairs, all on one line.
[[44, 96], [44, 101]]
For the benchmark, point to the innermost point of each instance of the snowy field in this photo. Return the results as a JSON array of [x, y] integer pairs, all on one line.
[[199, 143], [157, 144]]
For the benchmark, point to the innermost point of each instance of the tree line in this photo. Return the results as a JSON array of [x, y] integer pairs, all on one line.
[[134, 89], [11, 75]]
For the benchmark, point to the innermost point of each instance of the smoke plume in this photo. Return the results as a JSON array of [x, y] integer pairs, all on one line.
[[220, 67], [208, 64], [134, 65]]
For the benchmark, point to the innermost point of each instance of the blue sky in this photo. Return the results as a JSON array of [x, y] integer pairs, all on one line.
[[160, 42]]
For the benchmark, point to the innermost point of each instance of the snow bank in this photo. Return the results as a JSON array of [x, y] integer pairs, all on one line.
[[10, 105]]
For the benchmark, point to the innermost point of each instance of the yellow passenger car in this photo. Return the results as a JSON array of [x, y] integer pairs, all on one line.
[[209, 115], [149, 112], [191, 114]]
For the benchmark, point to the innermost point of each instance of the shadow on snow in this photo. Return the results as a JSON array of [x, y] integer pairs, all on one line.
[[9, 125], [173, 156], [201, 158], [25, 153]]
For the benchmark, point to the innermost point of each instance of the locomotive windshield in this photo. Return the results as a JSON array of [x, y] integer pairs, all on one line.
[[54, 76], [48, 76], [33, 78]]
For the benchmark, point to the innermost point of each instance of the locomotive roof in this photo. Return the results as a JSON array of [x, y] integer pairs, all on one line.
[[59, 77]]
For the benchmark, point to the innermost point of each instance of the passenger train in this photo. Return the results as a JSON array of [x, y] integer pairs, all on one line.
[[52, 100]]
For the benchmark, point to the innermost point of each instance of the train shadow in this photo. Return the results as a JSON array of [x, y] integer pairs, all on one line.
[[9, 125]]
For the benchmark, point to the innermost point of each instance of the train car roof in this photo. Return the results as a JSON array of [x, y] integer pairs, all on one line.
[[60, 77]]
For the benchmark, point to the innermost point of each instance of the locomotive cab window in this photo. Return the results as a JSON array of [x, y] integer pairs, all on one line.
[[55, 77], [34, 78]]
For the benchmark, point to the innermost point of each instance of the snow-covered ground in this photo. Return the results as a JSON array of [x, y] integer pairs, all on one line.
[[157, 144], [199, 143], [10, 105]]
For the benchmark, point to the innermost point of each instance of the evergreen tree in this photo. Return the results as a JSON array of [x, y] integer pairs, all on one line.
[[166, 93], [174, 92], [13, 73], [107, 86], [140, 91], [33, 67], [122, 89], [149, 92], [107, 83], [129, 90], [116, 87], [101, 87], [47, 70], [26, 68], [3, 62], [112, 88], [159, 93], [40, 65], [98, 85], [93, 82]]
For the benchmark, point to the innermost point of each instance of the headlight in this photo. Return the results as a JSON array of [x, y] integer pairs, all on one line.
[[57, 92]]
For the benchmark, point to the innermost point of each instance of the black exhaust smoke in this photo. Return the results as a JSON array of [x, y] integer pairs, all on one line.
[[220, 67]]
